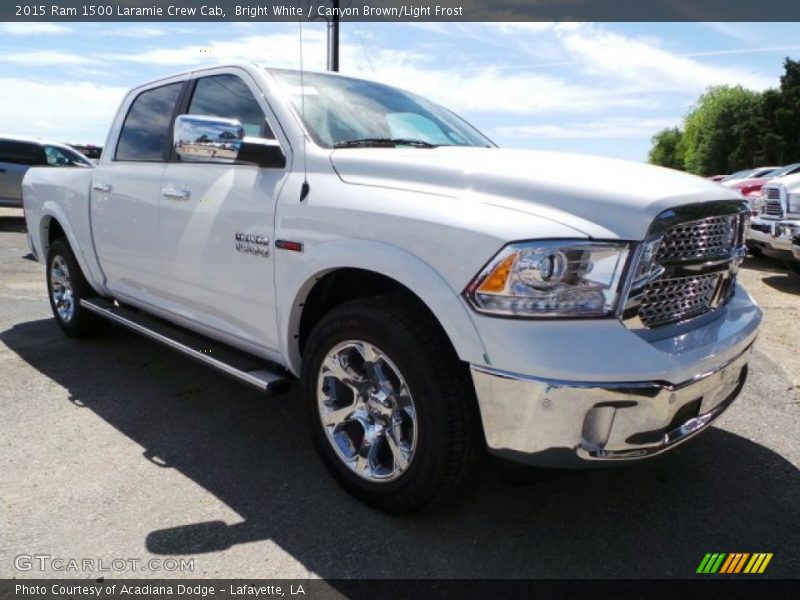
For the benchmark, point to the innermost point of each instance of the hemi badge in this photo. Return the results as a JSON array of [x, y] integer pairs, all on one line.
[[287, 245]]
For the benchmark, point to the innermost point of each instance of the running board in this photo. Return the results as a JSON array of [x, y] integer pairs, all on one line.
[[232, 362]]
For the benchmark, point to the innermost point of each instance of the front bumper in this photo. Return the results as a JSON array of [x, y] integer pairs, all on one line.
[[773, 236], [571, 424]]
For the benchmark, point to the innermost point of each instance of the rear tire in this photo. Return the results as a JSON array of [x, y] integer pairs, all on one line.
[[66, 287], [401, 427]]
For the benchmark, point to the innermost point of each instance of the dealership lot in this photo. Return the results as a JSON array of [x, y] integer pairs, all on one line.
[[117, 448]]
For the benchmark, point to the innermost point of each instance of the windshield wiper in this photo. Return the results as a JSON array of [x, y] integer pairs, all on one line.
[[384, 142]]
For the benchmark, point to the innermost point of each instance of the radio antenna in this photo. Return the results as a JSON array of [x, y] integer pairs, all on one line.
[[304, 189]]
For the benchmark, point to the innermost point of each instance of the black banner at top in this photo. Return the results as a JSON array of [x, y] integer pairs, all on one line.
[[400, 10]]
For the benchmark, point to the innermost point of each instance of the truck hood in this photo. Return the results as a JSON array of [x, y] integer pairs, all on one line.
[[601, 197]]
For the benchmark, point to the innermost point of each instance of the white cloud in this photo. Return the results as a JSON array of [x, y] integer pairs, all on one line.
[[136, 32], [32, 29], [640, 62], [612, 127], [46, 58], [64, 110]]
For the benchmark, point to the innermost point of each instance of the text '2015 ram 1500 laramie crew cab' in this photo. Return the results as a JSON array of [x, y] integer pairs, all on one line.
[[434, 294]]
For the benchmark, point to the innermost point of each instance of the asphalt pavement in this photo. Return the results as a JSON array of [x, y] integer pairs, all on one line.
[[117, 448]]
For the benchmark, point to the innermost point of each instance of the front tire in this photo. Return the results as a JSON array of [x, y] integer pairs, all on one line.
[[391, 408], [66, 287]]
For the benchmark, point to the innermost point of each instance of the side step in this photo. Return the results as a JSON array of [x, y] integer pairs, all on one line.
[[232, 362]]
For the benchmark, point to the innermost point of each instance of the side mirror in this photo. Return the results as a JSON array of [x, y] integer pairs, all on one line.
[[216, 140]]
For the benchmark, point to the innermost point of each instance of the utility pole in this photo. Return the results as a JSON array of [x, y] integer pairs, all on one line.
[[333, 38]]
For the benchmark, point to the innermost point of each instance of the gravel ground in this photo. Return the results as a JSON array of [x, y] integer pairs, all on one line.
[[118, 448]]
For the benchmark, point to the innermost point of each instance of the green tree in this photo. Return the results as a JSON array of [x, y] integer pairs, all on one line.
[[787, 111], [667, 150], [722, 131]]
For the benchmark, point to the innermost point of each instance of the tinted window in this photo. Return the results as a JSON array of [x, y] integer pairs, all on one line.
[[62, 157], [146, 128], [21, 153], [228, 97]]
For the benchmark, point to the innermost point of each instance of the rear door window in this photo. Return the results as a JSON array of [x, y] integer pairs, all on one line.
[[21, 153], [145, 132]]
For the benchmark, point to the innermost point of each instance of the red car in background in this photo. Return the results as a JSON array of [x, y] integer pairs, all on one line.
[[751, 188]]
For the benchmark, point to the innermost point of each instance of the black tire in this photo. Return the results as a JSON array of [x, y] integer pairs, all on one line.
[[447, 430], [78, 322]]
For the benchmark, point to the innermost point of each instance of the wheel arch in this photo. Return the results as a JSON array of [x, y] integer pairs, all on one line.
[[338, 272], [54, 225]]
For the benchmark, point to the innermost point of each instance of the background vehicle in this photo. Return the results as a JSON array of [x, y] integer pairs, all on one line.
[[778, 220], [434, 294], [18, 154], [756, 173]]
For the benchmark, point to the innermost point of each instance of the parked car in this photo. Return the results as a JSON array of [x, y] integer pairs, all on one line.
[[736, 175], [434, 294], [90, 151], [746, 175], [750, 188], [778, 220], [18, 154]]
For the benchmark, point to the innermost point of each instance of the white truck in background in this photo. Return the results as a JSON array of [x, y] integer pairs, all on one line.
[[777, 223], [434, 294]]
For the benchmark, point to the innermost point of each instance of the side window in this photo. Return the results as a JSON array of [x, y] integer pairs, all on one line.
[[21, 153], [146, 128], [227, 96], [55, 157]]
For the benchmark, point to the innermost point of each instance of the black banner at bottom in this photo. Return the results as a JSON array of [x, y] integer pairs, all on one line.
[[378, 589]]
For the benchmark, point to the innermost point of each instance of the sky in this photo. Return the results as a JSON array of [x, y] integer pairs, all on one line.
[[596, 88]]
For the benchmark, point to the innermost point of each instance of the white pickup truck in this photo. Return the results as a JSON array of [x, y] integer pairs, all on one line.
[[777, 222], [434, 294]]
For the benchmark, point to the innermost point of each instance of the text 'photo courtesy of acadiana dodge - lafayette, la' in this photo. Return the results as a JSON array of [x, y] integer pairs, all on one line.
[[477, 252], [157, 590]]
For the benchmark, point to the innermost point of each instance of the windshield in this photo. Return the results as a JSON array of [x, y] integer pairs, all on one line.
[[736, 175], [787, 170], [338, 111]]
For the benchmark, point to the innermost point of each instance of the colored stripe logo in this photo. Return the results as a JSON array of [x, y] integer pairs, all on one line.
[[734, 563]]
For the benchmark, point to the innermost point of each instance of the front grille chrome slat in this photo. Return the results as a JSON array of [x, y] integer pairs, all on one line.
[[772, 202], [694, 268], [703, 238], [669, 300]]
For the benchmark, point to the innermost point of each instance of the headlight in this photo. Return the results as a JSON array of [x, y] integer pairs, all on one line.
[[794, 203], [551, 279]]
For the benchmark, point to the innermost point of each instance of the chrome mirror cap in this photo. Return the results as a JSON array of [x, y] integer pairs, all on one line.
[[200, 138]]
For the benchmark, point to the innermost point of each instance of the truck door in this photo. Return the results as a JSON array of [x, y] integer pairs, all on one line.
[[208, 209], [126, 193]]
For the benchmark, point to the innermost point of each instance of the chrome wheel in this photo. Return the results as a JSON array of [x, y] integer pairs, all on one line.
[[367, 411], [61, 286]]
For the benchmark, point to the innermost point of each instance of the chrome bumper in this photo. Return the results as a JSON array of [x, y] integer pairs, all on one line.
[[772, 235], [571, 424]]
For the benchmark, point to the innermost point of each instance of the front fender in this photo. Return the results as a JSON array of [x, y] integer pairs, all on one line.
[[296, 274]]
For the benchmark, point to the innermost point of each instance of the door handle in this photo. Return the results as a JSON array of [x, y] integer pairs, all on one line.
[[101, 187], [175, 193]]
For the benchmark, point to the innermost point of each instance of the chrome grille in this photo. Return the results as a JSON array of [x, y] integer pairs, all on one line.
[[772, 208], [691, 267], [703, 238], [772, 193], [670, 300]]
